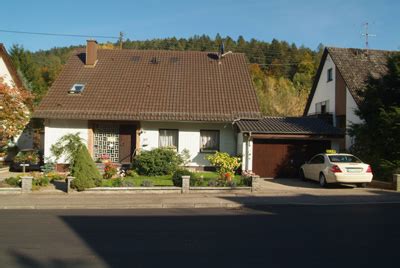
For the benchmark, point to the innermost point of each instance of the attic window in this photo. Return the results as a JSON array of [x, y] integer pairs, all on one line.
[[330, 74], [136, 58], [77, 89]]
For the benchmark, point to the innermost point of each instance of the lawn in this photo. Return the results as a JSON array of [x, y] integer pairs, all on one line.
[[138, 181], [200, 179]]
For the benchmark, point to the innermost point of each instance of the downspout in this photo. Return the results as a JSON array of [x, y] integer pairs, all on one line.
[[248, 150]]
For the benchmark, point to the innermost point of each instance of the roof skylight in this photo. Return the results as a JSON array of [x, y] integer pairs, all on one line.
[[77, 89]]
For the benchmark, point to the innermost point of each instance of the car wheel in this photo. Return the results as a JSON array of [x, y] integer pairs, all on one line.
[[362, 185], [302, 177], [322, 180]]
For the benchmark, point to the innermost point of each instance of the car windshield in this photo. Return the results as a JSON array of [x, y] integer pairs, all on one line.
[[344, 159]]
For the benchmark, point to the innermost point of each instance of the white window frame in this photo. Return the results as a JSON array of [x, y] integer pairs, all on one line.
[[329, 75], [162, 132], [216, 148]]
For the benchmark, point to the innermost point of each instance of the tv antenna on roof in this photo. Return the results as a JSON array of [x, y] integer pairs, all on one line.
[[367, 35]]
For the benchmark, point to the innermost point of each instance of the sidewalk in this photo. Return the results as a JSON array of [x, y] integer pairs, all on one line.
[[53, 200]]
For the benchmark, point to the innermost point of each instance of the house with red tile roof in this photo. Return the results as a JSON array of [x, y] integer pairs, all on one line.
[[124, 101]]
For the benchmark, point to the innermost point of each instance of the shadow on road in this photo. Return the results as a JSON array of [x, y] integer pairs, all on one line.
[[25, 261], [268, 236]]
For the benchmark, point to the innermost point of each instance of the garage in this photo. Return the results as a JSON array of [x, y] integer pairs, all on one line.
[[276, 147], [281, 158]]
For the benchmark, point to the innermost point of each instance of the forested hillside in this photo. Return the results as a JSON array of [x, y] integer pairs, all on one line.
[[282, 72]]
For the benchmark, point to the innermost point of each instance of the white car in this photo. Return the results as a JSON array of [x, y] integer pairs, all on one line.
[[336, 168]]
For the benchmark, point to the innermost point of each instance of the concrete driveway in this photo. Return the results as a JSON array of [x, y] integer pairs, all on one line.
[[299, 187]]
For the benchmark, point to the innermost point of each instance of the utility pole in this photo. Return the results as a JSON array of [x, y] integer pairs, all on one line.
[[121, 38], [367, 35]]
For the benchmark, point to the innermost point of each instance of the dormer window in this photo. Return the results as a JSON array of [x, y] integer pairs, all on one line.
[[330, 74], [77, 89]]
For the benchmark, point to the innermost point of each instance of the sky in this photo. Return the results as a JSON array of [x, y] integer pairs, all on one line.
[[307, 22]]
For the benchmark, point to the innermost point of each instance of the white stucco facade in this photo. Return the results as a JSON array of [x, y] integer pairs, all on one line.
[[325, 89], [55, 129], [247, 149], [351, 117], [189, 138], [5, 73]]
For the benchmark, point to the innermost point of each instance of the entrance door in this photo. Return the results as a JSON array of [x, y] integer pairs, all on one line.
[[127, 143]]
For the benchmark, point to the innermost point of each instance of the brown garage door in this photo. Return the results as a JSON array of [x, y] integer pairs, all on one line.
[[282, 158]]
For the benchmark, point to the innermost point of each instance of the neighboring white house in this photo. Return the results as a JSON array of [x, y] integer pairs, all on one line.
[[8, 72], [124, 101], [342, 74]]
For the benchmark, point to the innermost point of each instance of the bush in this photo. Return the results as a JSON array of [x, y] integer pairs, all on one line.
[[225, 164], [27, 156], [84, 170], [13, 181], [132, 173], [177, 176], [159, 161], [54, 176], [117, 182], [245, 180], [40, 181]]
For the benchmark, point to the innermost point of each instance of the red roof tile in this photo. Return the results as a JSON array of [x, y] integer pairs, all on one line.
[[126, 85]]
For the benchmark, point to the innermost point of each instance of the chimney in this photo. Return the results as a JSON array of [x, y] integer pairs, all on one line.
[[91, 53]]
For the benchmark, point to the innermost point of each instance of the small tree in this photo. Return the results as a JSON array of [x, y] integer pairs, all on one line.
[[82, 165], [84, 170], [14, 111], [67, 146], [377, 138], [225, 164]]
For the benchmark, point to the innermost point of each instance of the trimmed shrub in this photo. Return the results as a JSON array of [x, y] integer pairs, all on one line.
[[157, 162], [177, 176], [84, 170], [13, 181]]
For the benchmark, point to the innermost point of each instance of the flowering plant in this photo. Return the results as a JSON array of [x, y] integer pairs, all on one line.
[[27, 156], [110, 170], [104, 158], [225, 164]]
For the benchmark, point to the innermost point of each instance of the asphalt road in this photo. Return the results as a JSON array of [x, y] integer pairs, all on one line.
[[272, 236]]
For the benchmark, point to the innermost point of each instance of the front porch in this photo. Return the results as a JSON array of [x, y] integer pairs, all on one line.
[[118, 140]]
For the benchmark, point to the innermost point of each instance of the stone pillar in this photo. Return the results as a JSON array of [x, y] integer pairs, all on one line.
[[185, 184], [255, 183], [396, 182], [26, 184], [68, 180]]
